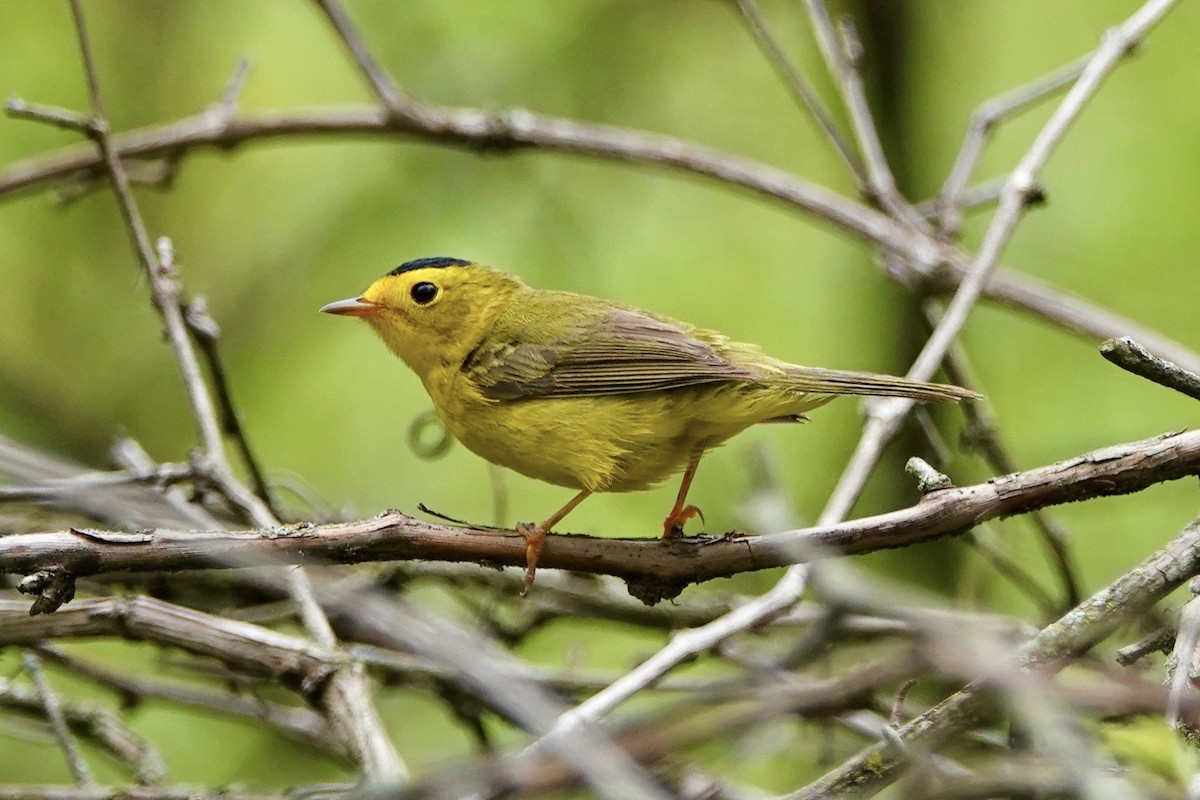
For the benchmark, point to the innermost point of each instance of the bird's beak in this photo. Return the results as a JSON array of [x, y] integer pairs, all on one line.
[[353, 307]]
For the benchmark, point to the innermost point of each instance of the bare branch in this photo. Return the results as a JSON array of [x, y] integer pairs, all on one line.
[[1028, 294], [399, 105], [227, 106], [51, 115], [54, 713], [206, 332], [158, 474], [95, 725], [954, 196], [654, 568], [515, 129], [348, 702], [842, 51], [801, 89], [983, 434], [43, 792], [1128, 354], [300, 724], [239, 645]]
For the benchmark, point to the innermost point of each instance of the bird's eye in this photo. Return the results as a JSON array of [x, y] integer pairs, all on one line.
[[424, 292]]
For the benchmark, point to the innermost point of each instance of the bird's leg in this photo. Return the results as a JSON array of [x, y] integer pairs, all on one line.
[[673, 524], [535, 537]]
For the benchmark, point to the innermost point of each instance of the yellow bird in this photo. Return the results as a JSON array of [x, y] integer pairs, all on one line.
[[586, 393]]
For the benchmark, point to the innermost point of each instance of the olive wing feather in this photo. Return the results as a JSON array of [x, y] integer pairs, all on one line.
[[621, 352]]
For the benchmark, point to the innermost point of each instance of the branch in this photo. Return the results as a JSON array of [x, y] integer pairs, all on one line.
[[842, 52], [506, 131], [773, 51], [653, 568], [58, 722], [248, 648], [98, 725], [1129, 355], [301, 724], [42, 792], [1075, 633], [952, 197]]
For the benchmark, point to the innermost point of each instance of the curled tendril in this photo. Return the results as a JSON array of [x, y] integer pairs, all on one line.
[[419, 438]]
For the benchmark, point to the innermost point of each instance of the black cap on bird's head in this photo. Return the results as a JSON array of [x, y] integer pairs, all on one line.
[[433, 262]]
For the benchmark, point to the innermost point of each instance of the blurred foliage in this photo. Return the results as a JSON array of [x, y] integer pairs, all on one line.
[[271, 231]]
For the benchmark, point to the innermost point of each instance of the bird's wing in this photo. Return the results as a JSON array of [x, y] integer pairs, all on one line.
[[622, 352]]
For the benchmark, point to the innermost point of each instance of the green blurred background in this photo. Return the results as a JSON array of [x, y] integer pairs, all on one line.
[[271, 231]]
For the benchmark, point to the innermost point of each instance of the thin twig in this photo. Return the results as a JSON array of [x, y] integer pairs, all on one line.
[[683, 647], [51, 115], [206, 333], [399, 105], [80, 771], [983, 434], [801, 89], [98, 726], [842, 53], [227, 106], [1015, 572], [300, 724], [1158, 641], [129, 454], [653, 568], [954, 196], [159, 474]]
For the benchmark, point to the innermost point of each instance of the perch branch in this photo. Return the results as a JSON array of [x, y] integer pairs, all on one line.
[[655, 568]]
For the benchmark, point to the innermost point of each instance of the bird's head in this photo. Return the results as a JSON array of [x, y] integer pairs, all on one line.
[[433, 311]]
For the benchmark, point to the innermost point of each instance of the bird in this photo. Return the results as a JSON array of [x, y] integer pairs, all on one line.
[[587, 393]]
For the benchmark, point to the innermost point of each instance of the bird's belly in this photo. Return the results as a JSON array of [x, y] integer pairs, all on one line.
[[596, 443], [614, 443]]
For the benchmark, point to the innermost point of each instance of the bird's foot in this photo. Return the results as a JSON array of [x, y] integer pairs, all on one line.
[[673, 524], [535, 540]]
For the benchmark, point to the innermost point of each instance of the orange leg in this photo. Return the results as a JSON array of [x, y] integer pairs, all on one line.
[[535, 537], [673, 524]]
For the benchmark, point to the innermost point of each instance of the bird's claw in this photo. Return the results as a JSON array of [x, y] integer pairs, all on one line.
[[535, 540], [673, 524]]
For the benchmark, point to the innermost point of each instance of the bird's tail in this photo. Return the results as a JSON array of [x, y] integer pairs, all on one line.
[[816, 380]]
